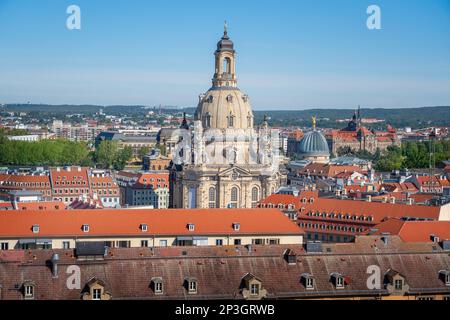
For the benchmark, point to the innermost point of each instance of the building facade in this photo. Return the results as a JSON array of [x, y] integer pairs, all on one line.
[[149, 188], [356, 137]]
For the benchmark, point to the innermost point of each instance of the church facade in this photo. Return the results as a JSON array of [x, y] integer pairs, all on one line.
[[224, 161]]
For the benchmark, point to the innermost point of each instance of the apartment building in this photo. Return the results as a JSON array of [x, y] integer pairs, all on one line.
[[146, 188]]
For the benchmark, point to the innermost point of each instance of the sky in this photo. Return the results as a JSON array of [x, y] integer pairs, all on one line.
[[290, 54]]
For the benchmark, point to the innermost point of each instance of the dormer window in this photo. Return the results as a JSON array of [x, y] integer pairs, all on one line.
[[398, 284], [338, 280], [144, 227], [28, 290], [254, 289], [308, 281], [191, 285], [35, 228], [445, 276], [236, 226], [157, 285], [85, 228], [191, 226]]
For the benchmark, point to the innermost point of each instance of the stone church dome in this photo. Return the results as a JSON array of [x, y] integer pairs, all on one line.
[[224, 106], [314, 144]]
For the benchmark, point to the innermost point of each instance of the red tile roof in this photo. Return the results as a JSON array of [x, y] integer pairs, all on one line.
[[415, 231], [41, 205], [160, 222]]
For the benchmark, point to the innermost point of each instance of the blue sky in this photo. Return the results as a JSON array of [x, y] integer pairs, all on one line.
[[291, 54]]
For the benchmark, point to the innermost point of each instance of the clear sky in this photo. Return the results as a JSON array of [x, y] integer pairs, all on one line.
[[290, 54]]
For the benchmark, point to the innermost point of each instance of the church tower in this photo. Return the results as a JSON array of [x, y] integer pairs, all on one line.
[[225, 66], [233, 164]]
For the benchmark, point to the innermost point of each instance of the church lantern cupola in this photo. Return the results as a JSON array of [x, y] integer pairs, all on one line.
[[225, 66]]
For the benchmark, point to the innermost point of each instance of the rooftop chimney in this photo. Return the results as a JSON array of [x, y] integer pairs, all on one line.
[[369, 198], [55, 260]]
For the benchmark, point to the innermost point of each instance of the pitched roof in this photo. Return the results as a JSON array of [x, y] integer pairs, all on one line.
[[415, 231], [160, 222], [219, 270]]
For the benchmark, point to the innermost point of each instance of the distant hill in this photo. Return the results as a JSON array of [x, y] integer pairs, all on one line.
[[406, 117]]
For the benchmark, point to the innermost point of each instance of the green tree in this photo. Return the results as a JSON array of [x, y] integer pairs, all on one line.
[[143, 152], [122, 157], [106, 154]]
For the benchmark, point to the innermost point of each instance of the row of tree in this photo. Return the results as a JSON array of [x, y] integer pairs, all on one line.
[[62, 152], [413, 155]]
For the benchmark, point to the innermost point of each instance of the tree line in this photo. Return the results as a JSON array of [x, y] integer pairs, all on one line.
[[61, 152], [413, 155]]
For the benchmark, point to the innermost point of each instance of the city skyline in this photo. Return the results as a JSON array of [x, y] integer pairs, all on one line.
[[293, 56]]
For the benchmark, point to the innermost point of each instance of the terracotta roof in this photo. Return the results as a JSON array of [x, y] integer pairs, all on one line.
[[327, 170], [127, 273], [160, 222], [415, 231], [41, 205], [377, 210]]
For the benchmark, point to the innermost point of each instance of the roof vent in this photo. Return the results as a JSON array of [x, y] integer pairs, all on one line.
[[434, 238], [314, 247]]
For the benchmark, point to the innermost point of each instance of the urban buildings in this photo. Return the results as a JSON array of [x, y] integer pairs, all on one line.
[[356, 137], [147, 188], [146, 228], [66, 184], [339, 220]]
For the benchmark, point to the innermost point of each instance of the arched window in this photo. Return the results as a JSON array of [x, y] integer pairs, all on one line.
[[234, 197], [249, 121], [208, 120], [212, 197], [226, 65], [230, 121], [255, 197]]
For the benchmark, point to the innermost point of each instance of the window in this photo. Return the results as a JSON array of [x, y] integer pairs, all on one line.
[[309, 283], [234, 197], [144, 227], [191, 226], [4, 246], [96, 294], [255, 196], [85, 228], [144, 243], [219, 242], [237, 242], [398, 284], [236, 226], [339, 282], [163, 243], [158, 287], [35, 228], [29, 291], [230, 121], [212, 197], [66, 245], [254, 289], [192, 286]]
